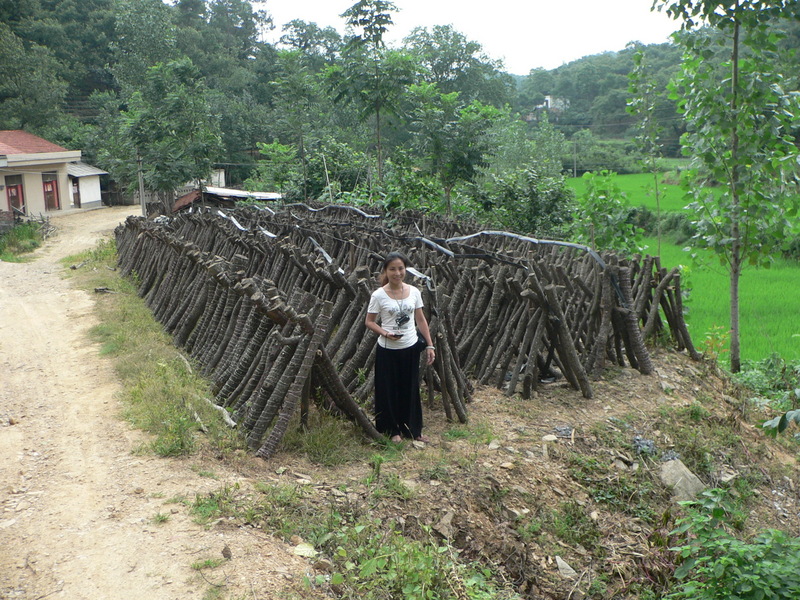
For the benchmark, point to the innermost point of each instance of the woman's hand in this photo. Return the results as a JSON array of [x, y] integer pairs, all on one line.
[[431, 352]]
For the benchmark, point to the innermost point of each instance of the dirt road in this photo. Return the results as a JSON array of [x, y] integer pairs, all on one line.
[[79, 506]]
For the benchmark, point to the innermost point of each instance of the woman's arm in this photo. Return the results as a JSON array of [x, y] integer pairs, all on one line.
[[372, 323], [422, 324]]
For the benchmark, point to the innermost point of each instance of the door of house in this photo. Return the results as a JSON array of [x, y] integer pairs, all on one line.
[[50, 185], [76, 193], [14, 195]]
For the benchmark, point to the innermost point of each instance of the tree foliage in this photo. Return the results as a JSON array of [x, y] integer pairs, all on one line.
[[739, 121]]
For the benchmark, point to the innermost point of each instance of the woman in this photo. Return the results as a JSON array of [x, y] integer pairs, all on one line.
[[395, 313]]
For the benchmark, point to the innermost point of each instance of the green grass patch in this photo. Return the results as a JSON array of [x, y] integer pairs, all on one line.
[[161, 393], [374, 561], [20, 240], [768, 298], [208, 563], [769, 302], [327, 441], [639, 191]]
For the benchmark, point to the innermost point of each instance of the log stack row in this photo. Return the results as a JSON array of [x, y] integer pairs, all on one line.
[[271, 305]]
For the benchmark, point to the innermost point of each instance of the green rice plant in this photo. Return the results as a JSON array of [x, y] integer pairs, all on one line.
[[768, 299]]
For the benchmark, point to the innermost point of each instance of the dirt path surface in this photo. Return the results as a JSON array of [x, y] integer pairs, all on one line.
[[78, 505]]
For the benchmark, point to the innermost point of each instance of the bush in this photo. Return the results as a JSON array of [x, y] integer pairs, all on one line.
[[717, 566], [373, 561], [20, 239]]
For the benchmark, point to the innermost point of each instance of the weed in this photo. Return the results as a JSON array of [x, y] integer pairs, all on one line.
[[697, 413], [160, 518], [529, 529], [392, 486], [204, 473], [479, 433], [627, 492], [715, 564], [207, 563], [438, 472], [327, 441], [375, 461], [571, 524], [21, 239], [214, 505], [373, 561]]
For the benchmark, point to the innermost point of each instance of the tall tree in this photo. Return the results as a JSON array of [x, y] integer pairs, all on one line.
[[457, 64], [368, 75], [144, 36], [31, 91], [739, 120], [318, 46], [643, 105], [168, 125], [452, 136]]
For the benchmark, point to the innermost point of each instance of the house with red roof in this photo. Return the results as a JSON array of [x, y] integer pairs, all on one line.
[[39, 177]]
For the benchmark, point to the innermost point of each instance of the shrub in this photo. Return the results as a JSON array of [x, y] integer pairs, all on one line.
[[716, 566]]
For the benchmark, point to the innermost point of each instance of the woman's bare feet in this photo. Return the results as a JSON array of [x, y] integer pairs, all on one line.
[[396, 439], [423, 438]]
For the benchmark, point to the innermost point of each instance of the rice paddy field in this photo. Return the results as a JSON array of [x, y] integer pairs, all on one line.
[[769, 299]]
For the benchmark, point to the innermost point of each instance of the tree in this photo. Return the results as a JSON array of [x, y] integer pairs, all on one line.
[[144, 36], [318, 46], [278, 167], [31, 91], [739, 123], [452, 136], [166, 123], [604, 220], [456, 64], [643, 105], [368, 75]]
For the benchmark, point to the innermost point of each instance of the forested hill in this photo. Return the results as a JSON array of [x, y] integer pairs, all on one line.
[[190, 85]]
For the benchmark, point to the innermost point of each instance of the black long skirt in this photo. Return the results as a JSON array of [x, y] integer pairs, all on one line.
[[398, 410]]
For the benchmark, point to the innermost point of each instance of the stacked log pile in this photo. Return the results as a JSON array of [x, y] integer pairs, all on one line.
[[271, 305]]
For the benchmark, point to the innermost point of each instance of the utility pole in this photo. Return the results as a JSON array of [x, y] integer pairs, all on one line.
[[575, 158], [141, 184]]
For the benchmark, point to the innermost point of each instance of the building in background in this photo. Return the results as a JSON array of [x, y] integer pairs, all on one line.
[[39, 177]]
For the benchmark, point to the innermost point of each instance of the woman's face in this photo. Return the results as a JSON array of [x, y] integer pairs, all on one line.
[[396, 272]]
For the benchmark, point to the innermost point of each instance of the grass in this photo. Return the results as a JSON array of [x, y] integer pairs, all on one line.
[[769, 302], [327, 441], [161, 393], [19, 241], [208, 563], [769, 299]]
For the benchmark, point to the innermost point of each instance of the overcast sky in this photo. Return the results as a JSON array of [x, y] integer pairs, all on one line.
[[524, 34]]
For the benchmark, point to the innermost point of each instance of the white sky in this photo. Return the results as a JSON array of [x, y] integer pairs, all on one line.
[[523, 34]]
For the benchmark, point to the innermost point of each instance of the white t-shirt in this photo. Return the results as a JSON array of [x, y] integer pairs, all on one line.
[[389, 310]]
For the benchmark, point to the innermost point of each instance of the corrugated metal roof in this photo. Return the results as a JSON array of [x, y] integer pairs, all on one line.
[[231, 193], [81, 169], [222, 196], [16, 141]]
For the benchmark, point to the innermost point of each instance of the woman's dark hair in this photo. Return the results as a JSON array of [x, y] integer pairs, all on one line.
[[391, 257]]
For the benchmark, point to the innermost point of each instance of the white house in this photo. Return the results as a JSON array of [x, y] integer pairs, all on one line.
[[39, 177]]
